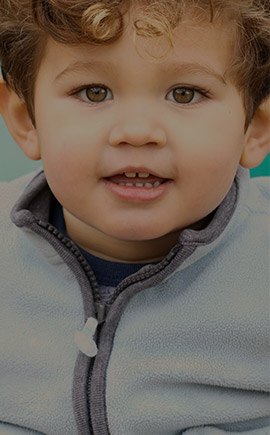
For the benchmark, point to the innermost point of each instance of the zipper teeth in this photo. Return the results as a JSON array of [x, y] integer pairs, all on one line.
[[119, 289], [142, 276], [90, 274], [70, 245]]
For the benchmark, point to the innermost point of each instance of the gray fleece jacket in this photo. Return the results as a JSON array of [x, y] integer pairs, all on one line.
[[181, 347]]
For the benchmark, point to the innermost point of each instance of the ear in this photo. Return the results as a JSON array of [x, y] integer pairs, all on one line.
[[257, 138], [15, 114]]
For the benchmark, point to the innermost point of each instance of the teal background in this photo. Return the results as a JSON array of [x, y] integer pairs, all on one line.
[[13, 162]]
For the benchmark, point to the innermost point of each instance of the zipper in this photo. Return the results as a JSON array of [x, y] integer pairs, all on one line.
[[101, 309], [70, 245]]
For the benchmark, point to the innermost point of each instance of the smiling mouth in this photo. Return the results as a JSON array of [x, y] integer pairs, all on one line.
[[137, 187], [137, 180]]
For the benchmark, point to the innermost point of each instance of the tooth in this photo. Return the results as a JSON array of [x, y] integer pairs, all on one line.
[[130, 174], [139, 184], [129, 184], [143, 174], [157, 184], [148, 185]]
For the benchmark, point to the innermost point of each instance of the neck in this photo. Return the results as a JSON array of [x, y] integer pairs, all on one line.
[[110, 248], [127, 251]]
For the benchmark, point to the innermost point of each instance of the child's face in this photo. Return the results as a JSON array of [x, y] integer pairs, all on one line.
[[192, 142]]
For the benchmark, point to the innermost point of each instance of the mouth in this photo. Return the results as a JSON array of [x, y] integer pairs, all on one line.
[[137, 185], [137, 179]]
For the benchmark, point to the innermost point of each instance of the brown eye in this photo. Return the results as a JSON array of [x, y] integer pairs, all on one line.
[[183, 95], [96, 94]]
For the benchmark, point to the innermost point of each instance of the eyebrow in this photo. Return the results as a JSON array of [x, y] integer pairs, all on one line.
[[175, 68], [87, 66], [172, 68]]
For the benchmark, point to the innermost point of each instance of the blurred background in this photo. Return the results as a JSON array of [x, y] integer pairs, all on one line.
[[13, 162]]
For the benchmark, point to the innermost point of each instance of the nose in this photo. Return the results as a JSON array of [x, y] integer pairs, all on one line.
[[137, 130]]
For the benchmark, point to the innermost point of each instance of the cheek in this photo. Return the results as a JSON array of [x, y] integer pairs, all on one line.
[[217, 140], [62, 165], [65, 152]]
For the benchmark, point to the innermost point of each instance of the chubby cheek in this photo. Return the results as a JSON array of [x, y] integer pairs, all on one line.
[[217, 141], [209, 164], [65, 137], [63, 170], [66, 150]]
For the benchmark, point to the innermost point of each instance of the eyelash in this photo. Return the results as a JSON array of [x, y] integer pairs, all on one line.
[[205, 94]]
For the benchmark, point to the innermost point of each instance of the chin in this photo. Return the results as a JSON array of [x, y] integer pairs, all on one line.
[[133, 233]]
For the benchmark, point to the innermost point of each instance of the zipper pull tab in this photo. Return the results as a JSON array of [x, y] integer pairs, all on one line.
[[84, 339], [101, 312]]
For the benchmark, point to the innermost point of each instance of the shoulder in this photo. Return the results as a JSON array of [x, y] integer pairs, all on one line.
[[18, 184], [259, 195], [249, 234], [253, 209], [256, 209], [11, 190]]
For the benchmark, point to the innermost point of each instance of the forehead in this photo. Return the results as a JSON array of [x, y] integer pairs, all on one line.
[[193, 43]]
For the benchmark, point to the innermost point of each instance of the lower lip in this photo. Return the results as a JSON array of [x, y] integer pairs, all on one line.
[[137, 194]]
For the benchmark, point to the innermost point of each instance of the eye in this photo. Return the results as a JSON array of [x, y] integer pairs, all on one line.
[[94, 94], [185, 95]]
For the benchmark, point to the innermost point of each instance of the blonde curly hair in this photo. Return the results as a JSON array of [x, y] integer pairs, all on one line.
[[26, 25]]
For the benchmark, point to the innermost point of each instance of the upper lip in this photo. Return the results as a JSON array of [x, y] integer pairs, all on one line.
[[137, 169]]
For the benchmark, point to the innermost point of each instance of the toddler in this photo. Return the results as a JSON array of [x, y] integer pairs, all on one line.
[[135, 264]]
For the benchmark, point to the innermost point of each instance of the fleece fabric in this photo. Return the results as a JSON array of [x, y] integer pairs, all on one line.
[[182, 345]]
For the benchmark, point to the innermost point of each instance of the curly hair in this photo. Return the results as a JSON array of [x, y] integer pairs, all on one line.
[[26, 25]]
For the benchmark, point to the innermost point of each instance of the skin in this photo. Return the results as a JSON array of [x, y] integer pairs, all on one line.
[[197, 145]]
